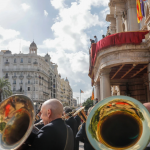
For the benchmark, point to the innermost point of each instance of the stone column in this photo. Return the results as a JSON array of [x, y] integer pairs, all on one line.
[[119, 22], [132, 16], [97, 90], [105, 87]]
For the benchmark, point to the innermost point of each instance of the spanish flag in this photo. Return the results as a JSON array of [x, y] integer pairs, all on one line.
[[139, 12], [92, 98]]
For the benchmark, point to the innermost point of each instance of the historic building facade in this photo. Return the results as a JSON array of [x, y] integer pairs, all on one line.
[[120, 62], [32, 75]]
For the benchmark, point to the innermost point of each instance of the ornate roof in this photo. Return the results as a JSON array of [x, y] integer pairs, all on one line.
[[33, 44]]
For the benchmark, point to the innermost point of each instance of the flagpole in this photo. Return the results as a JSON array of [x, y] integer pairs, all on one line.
[[80, 98]]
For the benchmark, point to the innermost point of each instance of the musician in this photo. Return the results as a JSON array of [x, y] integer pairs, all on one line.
[[81, 136], [55, 134], [73, 124], [147, 105], [78, 119]]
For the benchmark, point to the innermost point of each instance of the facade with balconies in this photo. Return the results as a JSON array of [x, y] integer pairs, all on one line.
[[120, 62], [30, 74]]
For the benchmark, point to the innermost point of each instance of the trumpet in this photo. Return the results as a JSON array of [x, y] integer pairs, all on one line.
[[118, 123], [16, 121]]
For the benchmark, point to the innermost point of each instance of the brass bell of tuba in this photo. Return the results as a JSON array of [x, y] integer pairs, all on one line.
[[118, 123], [16, 121]]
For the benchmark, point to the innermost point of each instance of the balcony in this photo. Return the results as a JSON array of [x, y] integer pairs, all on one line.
[[6, 63], [14, 83], [118, 49], [14, 77], [35, 63], [18, 91], [6, 76], [45, 93], [29, 77], [21, 77], [21, 83]]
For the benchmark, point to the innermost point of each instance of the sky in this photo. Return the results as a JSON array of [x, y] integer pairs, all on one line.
[[61, 28]]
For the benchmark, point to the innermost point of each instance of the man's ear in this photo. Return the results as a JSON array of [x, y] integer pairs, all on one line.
[[49, 112]]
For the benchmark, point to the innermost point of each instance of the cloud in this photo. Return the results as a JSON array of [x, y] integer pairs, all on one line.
[[57, 4], [14, 43], [105, 12], [45, 13], [25, 6], [71, 23], [8, 33]]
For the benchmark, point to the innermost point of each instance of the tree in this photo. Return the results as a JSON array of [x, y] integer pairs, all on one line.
[[88, 103], [5, 89]]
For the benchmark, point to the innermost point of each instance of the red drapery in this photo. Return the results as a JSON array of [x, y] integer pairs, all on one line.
[[116, 39]]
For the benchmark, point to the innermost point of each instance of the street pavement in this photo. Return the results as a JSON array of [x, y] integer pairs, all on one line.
[[81, 146]]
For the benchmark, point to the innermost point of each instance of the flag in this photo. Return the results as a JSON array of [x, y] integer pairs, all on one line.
[[81, 91], [139, 12], [92, 98]]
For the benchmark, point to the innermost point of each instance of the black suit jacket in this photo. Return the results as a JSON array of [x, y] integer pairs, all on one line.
[[73, 124], [78, 119], [53, 137], [81, 135]]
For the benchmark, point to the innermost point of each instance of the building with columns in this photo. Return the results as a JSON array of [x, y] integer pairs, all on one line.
[[120, 62], [33, 75]]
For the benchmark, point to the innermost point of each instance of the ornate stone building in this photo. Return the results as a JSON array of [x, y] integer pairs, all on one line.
[[120, 62], [33, 75]]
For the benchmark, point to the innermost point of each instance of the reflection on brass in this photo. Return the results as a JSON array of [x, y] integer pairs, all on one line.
[[117, 124], [16, 121]]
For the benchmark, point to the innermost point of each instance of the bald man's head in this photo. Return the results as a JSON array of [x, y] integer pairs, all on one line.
[[51, 109]]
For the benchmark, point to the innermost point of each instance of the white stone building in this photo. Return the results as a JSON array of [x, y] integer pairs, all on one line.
[[122, 67], [31, 74], [74, 102]]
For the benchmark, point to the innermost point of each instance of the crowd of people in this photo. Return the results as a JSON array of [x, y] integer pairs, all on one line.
[[57, 132]]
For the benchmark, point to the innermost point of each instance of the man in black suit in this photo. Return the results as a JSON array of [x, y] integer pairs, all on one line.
[[78, 119], [55, 135], [73, 124], [81, 136]]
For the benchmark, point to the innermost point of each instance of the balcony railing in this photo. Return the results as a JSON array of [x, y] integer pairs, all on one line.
[[14, 77], [29, 77], [21, 76], [6, 63], [18, 91], [35, 63], [6, 76]]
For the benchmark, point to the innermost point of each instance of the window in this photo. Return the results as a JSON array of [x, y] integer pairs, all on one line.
[[14, 81], [15, 60], [6, 60], [29, 60], [14, 88], [28, 88], [21, 82], [28, 81], [20, 88], [21, 60], [14, 73]]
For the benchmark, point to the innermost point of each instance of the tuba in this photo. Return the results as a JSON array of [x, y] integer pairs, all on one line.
[[16, 121], [118, 123]]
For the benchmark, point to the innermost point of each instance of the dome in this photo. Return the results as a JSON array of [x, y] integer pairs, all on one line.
[[33, 44]]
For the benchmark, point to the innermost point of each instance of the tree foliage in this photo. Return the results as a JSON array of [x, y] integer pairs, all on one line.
[[88, 103], [5, 89]]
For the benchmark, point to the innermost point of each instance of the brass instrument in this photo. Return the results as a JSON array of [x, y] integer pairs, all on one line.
[[16, 121], [80, 112], [39, 123], [68, 114], [118, 123]]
